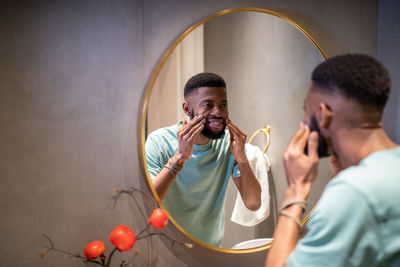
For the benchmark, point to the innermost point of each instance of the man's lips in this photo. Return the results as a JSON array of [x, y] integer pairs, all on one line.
[[217, 123]]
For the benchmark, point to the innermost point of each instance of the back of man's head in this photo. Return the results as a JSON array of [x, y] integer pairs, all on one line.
[[355, 76], [204, 79]]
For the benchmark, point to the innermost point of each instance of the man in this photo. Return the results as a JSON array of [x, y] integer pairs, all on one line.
[[190, 163], [357, 220]]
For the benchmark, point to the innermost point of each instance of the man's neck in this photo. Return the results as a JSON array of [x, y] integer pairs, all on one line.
[[352, 146], [201, 140]]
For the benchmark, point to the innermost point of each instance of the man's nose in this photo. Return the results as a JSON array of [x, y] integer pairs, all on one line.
[[218, 111]]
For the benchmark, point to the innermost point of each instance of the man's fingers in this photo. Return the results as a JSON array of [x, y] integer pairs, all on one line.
[[303, 138], [299, 136], [313, 146], [198, 131], [235, 129], [184, 122], [186, 126], [195, 130], [196, 120], [232, 136], [205, 114], [232, 130]]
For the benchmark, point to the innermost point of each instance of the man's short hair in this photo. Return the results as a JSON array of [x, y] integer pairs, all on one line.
[[204, 79], [356, 76]]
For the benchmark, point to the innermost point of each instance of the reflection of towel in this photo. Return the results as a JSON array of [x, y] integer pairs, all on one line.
[[260, 165]]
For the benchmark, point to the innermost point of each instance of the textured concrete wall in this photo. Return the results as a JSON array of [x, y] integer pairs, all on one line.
[[72, 75], [388, 53]]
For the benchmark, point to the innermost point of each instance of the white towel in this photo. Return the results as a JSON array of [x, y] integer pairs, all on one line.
[[260, 165]]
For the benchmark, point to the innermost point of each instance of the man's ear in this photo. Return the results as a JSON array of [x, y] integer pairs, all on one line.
[[186, 108], [325, 117]]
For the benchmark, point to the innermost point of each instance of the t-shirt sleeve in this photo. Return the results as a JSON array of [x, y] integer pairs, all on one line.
[[341, 231], [153, 156], [236, 170]]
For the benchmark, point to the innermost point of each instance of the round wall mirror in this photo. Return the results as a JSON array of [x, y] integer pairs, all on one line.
[[266, 60]]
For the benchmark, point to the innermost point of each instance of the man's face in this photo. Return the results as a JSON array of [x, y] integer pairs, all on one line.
[[311, 103], [212, 103]]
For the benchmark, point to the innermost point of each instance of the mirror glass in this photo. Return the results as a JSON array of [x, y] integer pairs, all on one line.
[[266, 62]]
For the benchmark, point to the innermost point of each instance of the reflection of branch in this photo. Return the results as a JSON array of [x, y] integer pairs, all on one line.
[[76, 255], [131, 193], [188, 245], [133, 190]]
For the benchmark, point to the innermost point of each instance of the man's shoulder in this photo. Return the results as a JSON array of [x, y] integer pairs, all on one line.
[[164, 132], [375, 179], [378, 168], [162, 139]]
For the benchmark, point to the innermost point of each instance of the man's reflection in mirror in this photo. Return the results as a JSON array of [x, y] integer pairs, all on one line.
[[191, 162]]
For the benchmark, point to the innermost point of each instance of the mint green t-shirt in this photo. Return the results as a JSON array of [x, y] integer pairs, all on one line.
[[357, 220], [197, 196]]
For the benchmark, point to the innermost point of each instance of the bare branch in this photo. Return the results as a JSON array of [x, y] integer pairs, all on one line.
[[76, 255], [107, 264], [48, 239], [146, 232], [141, 232]]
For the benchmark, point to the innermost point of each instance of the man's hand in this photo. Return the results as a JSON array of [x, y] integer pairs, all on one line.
[[301, 169], [238, 141], [187, 134], [247, 183]]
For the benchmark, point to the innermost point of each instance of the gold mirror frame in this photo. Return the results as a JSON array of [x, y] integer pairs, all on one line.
[[144, 108]]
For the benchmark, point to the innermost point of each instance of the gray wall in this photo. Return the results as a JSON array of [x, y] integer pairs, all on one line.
[[388, 47], [72, 74]]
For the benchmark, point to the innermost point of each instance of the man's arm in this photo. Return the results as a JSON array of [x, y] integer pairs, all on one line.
[[186, 137], [165, 178], [301, 171], [247, 183]]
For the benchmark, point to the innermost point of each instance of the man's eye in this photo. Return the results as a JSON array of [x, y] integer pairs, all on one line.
[[207, 105], [224, 105]]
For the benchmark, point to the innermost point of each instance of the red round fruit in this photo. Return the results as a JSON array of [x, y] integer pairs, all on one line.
[[123, 238], [158, 218], [94, 249]]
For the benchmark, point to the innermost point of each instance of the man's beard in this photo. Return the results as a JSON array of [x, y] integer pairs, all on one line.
[[209, 133], [322, 145]]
